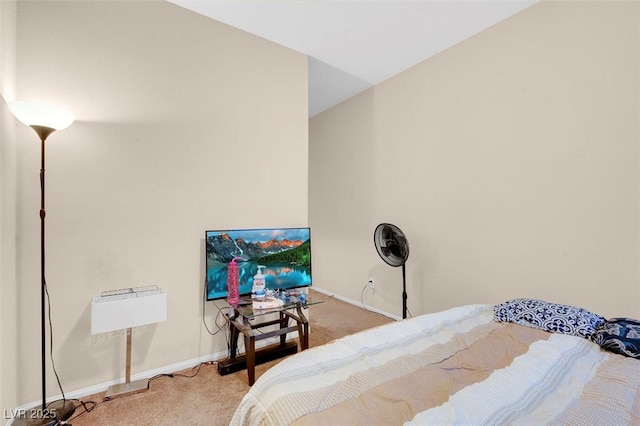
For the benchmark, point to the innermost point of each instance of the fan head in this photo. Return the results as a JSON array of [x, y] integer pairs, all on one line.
[[391, 244]]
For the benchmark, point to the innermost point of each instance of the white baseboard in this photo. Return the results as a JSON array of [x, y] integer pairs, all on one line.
[[91, 390], [356, 303]]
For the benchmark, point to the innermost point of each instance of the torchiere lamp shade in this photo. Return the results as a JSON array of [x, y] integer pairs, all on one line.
[[42, 114]]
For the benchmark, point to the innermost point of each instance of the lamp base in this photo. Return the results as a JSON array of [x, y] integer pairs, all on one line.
[[127, 388], [56, 412]]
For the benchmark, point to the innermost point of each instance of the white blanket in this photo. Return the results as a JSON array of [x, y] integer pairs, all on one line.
[[454, 367]]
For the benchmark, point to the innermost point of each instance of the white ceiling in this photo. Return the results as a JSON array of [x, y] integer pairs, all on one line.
[[355, 44]]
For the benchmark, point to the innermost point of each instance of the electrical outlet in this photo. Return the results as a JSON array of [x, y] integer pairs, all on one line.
[[370, 283]]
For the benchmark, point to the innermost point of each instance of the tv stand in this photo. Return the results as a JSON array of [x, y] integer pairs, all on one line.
[[241, 323]]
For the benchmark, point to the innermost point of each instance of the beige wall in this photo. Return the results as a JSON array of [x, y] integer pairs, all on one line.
[[510, 161], [184, 124], [8, 311]]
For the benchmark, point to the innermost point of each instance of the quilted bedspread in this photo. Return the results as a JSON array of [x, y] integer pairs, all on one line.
[[454, 367]]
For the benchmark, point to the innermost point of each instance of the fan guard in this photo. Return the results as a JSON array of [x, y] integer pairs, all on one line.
[[391, 244]]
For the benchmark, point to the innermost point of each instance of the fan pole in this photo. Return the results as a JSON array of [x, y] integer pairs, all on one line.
[[404, 293]]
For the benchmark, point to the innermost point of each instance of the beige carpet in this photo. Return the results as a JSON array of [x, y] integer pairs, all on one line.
[[208, 398]]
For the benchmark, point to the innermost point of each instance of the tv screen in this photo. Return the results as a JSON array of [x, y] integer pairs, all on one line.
[[284, 252]]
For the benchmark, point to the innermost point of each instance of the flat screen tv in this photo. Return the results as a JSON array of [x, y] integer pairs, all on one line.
[[284, 252]]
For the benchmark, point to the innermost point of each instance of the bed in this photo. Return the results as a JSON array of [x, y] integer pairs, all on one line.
[[461, 366]]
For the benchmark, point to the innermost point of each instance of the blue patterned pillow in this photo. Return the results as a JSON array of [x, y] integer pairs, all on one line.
[[621, 336], [551, 317]]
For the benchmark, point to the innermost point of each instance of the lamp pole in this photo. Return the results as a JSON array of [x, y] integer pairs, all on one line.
[[43, 132]]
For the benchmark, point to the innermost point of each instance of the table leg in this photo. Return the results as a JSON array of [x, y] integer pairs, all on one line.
[[305, 343], [303, 330], [233, 339], [284, 323], [250, 357]]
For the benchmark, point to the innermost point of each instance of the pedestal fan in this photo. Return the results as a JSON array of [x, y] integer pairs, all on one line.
[[393, 248]]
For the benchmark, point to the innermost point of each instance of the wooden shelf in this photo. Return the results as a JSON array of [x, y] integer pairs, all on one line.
[[266, 354]]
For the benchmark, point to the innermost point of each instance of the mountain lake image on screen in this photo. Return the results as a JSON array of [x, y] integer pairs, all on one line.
[[285, 254]]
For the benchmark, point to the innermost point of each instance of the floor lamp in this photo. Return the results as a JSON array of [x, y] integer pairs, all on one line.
[[44, 119]]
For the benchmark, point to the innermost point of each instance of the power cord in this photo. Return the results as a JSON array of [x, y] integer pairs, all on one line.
[[362, 297], [220, 313], [53, 364], [186, 376], [369, 310], [221, 316], [88, 406]]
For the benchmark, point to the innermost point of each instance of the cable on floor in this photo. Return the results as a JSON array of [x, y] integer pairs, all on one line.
[[187, 376], [88, 406]]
